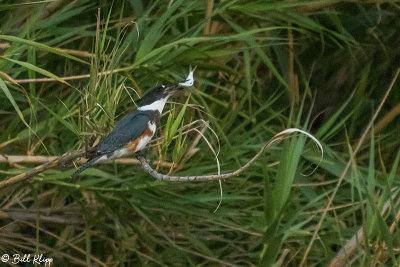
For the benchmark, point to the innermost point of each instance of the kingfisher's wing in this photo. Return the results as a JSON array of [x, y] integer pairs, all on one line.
[[127, 129]]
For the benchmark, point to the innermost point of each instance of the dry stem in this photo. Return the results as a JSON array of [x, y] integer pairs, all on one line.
[[358, 238], [51, 162], [66, 158], [44, 159]]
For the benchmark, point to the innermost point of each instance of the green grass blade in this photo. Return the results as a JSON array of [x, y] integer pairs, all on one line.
[[8, 94], [36, 69], [42, 47]]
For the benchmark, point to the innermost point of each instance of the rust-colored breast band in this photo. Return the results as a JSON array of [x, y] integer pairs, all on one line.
[[132, 145]]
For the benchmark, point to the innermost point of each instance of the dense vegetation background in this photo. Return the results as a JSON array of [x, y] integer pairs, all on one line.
[[70, 69]]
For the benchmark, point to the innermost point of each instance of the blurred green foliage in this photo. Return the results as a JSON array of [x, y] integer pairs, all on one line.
[[70, 69]]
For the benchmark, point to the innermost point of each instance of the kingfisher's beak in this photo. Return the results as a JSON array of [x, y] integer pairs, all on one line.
[[172, 89]]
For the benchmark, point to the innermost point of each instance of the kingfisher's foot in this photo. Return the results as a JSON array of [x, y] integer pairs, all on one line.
[[139, 154]]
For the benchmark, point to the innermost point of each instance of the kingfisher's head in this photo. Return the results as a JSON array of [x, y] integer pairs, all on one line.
[[157, 97]]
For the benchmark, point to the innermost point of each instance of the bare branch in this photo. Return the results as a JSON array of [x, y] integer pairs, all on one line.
[[52, 162], [211, 177], [44, 159], [66, 158]]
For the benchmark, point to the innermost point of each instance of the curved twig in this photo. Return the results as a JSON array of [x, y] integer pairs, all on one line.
[[211, 177]]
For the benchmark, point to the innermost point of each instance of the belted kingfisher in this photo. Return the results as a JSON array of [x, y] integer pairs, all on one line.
[[135, 130]]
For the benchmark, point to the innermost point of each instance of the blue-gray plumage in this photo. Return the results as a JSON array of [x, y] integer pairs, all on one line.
[[127, 129]]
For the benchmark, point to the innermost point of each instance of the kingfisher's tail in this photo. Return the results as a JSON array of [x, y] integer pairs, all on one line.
[[88, 164]]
